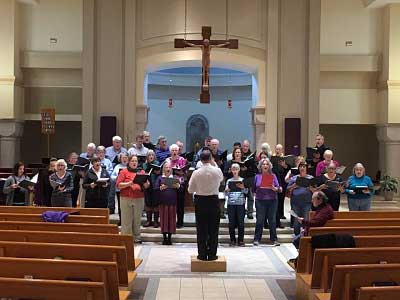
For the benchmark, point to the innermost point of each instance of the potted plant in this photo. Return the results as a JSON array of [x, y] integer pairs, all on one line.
[[389, 187]]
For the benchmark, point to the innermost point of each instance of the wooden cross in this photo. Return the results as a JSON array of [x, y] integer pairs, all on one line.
[[206, 45]]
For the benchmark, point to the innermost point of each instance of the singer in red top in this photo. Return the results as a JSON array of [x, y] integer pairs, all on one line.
[[132, 199]]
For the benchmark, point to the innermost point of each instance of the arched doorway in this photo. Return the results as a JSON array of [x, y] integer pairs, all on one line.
[[197, 129]]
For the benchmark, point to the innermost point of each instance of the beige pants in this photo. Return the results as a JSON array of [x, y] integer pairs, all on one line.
[[131, 216]]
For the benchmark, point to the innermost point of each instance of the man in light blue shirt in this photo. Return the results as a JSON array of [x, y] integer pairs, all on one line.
[[90, 150], [105, 162], [116, 148]]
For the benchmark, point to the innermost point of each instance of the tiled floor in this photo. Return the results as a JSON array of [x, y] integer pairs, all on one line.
[[252, 273], [213, 289]]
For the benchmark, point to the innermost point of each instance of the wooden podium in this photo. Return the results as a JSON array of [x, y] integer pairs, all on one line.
[[197, 265]]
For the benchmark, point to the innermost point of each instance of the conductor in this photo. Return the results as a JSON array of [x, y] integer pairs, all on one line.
[[205, 183]]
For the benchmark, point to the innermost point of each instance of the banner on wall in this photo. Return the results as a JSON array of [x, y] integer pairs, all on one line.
[[48, 116]]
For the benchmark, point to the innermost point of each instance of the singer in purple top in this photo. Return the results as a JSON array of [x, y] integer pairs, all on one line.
[[178, 162], [266, 202]]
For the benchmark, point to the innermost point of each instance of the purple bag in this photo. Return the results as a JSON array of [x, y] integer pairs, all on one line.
[[54, 216]]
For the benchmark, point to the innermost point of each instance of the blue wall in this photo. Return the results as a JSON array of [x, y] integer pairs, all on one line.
[[227, 125]]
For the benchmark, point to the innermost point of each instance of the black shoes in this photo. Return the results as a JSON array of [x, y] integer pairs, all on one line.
[[212, 257], [209, 258], [250, 216], [201, 257]]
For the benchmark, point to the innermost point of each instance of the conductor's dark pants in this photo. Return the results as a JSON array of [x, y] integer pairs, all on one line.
[[207, 222]]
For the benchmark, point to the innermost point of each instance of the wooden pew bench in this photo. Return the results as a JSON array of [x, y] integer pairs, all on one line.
[[59, 227], [363, 222], [65, 270], [348, 279], [72, 252], [325, 259], [25, 217], [363, 214], [379, 293], [51, 289], [357, 230], [104, 212], [75, 238], [306, 252]]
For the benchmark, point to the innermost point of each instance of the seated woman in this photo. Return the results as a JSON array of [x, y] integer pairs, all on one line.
[[332, 191], [96, 192], [323, 213], [62, 183], [15, 193], [359, 189], [323, 165]]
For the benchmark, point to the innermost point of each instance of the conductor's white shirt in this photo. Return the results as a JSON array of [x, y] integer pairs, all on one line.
[[206, 180]]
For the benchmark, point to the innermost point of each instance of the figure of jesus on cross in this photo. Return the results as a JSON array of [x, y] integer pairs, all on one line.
[[206, 45]]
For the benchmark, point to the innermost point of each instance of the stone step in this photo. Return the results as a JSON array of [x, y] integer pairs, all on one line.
[[223, 239]]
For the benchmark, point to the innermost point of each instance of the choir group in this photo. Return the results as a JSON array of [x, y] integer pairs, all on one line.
[[154, 178]]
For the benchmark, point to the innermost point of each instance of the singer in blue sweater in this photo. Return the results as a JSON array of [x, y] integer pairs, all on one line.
[[359, 189]]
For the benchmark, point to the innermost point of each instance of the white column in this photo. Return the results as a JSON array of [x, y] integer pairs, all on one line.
[[10, 142]]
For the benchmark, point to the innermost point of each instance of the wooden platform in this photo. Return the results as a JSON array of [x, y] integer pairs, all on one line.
[[218, 265]]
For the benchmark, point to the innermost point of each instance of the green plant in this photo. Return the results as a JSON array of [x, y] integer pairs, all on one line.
[[389, 184]]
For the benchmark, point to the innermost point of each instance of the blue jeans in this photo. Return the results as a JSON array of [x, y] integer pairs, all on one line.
[[236, 219], [363, 204], [302, 209], [266, 209]]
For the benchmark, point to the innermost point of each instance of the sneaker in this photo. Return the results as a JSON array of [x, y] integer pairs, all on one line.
[[241, 244], [250, 216], [256, 243], [232, 244], [148, 224], [275, 243]]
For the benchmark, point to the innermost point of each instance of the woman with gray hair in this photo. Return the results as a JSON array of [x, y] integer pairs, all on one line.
[[62, 183], [265, 151], [359, 189], [266, 187]]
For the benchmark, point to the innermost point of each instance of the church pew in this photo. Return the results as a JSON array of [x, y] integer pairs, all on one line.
[[93, 271], [357, 230], [38, 218], [379, 293], [71, 252], [41, 209], [326, 259], [74, 238], [363, 214], [306, 252], [363, 222], [51, 289], [347, 279], [59, 227]]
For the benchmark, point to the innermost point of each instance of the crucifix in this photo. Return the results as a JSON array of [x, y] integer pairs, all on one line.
[[206, 44]]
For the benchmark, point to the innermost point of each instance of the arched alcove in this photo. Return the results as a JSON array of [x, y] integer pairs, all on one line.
[[197, 129]]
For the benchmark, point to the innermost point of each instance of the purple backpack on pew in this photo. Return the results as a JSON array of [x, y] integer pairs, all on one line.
[[54, 216]]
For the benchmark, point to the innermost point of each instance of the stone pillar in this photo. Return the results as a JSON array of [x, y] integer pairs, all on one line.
[[258, 122], [142, 112], [389, 146], [313, 88], [109, 84], [10, 142]]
